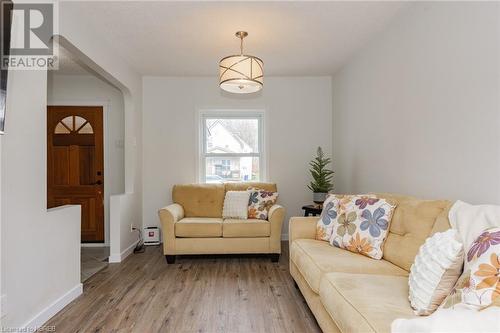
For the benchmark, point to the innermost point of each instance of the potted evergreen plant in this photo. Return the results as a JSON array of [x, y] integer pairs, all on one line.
[[322, 176]]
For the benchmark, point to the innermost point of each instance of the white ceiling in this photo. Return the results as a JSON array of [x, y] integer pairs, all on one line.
[[189, 38]]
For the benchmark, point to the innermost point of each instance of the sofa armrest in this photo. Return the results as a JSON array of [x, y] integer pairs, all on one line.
[[276, 216], [169, 215], [302, 227]]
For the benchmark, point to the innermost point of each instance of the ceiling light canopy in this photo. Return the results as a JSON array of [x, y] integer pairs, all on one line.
[[243, 73]]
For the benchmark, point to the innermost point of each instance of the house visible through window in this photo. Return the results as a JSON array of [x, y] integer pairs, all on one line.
[[231, 147]]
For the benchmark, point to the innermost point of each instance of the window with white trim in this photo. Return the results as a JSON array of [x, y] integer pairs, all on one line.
[[231, 146]]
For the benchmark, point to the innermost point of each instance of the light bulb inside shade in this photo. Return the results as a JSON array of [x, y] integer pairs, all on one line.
[[241, 86]]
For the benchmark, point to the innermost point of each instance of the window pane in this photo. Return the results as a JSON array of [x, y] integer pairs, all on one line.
[[86, 129], [231, 169], [61, 129], [79, 121], [227, 136], [68, 121]]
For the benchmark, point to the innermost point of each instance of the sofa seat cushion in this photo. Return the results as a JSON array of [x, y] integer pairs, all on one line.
[[246, 228], [365, 302], [314, 258], [199, 227]]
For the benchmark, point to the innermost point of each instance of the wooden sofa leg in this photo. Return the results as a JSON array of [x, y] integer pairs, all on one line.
[[275, 257], [170, 259]]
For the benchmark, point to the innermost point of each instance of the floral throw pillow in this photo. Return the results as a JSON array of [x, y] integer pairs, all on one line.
[[260, 202], [328, 215], [348, 202], [362, 225], [479, 285]]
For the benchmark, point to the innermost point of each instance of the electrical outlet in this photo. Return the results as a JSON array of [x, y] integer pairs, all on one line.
[[132, 227]]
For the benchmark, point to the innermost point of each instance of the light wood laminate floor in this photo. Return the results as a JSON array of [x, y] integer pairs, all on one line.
[[196, 294]]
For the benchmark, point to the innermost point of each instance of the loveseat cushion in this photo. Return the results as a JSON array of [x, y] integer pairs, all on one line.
[[365, 302], [199, 227], [314, 258], [246, 228], [200, 200]]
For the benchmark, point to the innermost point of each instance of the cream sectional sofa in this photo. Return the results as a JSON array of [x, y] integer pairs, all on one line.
[[193, 224], [348, 292]]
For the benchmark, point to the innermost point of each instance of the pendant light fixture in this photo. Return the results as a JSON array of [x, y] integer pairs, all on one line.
[[243, 73]]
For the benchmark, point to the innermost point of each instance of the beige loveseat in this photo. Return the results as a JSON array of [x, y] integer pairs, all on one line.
[[193, 224], [348, 292]]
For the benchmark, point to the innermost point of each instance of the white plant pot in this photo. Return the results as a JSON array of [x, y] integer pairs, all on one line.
[[319, 197]]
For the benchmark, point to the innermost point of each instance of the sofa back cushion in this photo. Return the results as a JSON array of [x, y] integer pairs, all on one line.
[[200, 200], [243, 186], [413, 221]]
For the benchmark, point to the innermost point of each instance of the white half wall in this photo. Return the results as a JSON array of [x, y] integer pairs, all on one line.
[[40, 248], [89, 90], [417, 110], [297, 118], [123, 208]]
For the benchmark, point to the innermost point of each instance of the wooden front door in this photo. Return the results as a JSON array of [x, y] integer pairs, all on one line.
[[75, 173]]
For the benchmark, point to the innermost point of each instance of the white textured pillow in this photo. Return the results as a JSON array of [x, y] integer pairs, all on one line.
[[236, 205], [436, 269]]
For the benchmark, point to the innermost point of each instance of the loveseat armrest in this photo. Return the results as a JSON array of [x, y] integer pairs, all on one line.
[[276, 216], [169, 215], [302, 227]]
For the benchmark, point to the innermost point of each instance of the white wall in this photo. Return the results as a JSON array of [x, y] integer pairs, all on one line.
[[298, 119], [417, 110], [40, 249], [89, 90]]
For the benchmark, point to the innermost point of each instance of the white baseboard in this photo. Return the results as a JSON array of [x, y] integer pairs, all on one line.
[[119, 257], [284, 237], [47, 313]]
